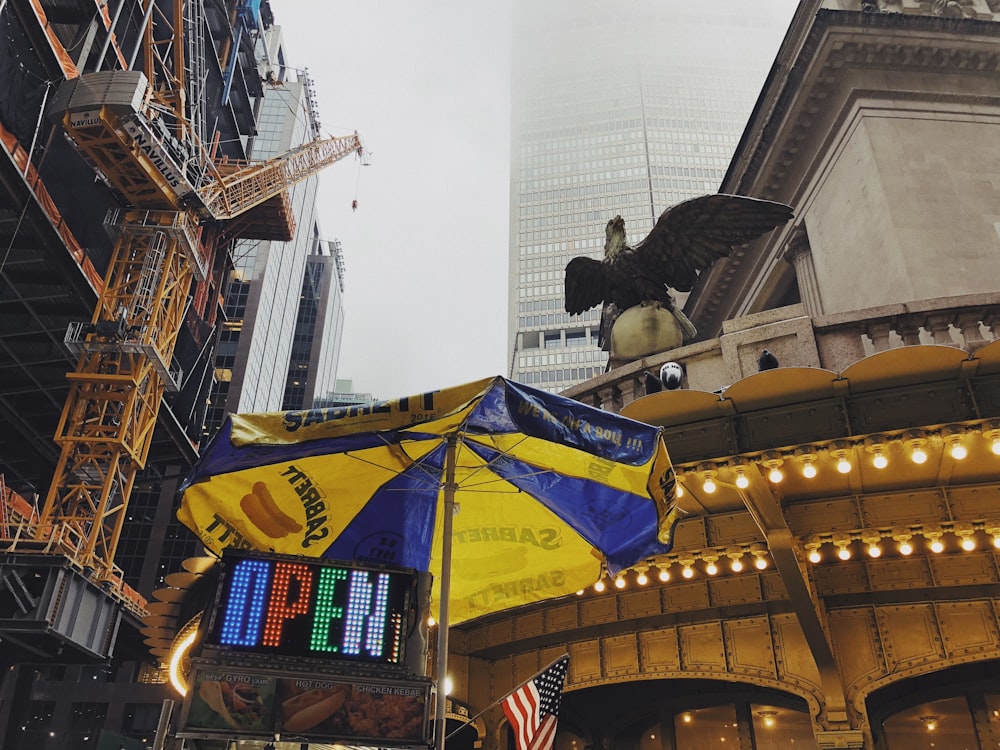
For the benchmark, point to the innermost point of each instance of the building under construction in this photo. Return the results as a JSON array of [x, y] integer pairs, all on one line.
[[126, 132]]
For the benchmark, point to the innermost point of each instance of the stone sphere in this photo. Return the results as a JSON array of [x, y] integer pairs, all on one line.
[[643, 330]]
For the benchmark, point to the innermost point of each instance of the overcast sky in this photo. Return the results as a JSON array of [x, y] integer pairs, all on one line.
[[426, 83]]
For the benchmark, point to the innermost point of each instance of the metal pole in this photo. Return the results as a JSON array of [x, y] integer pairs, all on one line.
[[38, 126], [111, 35], [445, 588], [160, 740]]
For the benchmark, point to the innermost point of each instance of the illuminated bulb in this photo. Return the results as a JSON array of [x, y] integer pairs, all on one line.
[[775, 475], [905, 548], [808, 469], [760, 557], [879, 461], [843, 464], [686, 718], [735, 555], [964, 531], [767, 718], [936, 545], [709, 484], [680, 490], [874, 550], [449, 685], [995, 444], [956, 448], [968, 544], [664, 575], [812, 551], [599, 587], [580, 592], [619, 582], [687, 571], [930, 722], [710, 567], [844, 553], [843, 544], [742, 481], [641, 579], [994, 533], [431, 622], [918, 454]]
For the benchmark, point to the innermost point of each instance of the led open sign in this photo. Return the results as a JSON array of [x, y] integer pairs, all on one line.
[[273, 605]]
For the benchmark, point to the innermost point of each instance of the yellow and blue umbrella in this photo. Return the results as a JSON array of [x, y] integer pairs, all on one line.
[[548, 493]]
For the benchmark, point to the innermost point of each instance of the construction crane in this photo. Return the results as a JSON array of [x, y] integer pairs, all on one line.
[[134, 129]]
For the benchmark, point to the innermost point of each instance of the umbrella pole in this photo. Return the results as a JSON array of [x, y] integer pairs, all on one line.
[[445, 589]]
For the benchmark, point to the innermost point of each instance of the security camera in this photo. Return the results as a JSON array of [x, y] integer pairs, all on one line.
[[671, 376]]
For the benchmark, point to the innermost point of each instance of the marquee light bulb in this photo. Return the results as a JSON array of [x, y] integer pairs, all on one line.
[[737, 566], [905, 548], [775, 475], [809, 470], [711, 568], [664, 575], [709, 484], [687, 571], [619, 582], [844, 553], [968, 544], [874, 550], [918, 451], [599, 587], [843, 464], [742, 480], [642, 579], [815, 556], [957, 449], [879, 461]]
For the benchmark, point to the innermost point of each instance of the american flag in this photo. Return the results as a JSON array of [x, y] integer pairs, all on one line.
[[533, 709]]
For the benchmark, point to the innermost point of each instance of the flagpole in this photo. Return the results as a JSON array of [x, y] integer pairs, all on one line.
[[505, 696], [445, 588]]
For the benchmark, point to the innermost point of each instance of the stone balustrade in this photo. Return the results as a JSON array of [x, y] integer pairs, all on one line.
[[832, 342]]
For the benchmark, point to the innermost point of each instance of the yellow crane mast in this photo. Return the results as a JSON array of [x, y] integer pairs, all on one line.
[[137, 139]]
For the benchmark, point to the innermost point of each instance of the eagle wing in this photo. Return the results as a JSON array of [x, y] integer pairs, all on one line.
[[690, 236], [587, 284]]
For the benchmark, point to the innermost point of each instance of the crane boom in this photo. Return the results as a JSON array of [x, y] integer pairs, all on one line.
[[125, 352]]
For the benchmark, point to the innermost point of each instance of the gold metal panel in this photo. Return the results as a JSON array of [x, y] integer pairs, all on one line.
[[903, 508], [640, 603], [963, 569], [971, 503], [909, 635], [823, 516], [669, 408], [968, 627], [689, 534], [732, 528], [840, 578], [736, 590], [525, 666], [499, 632], [686, 597], [561, 618], [600, 609], [749, 646], [526, 626], [859, 655], [904, 573], [701, 647], [621, 655], [785, 385], [584, 661], [772, 586], [659, 651], [904, 365], [792, 656]]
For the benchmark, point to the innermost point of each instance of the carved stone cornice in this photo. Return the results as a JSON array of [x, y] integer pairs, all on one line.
[[843, 56]]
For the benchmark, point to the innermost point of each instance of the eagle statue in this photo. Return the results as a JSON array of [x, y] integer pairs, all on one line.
[[687, 239]]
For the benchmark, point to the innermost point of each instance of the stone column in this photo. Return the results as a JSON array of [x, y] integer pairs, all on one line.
[[799, 254]]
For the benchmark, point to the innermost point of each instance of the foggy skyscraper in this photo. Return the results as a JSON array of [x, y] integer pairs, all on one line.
[[623, 109]]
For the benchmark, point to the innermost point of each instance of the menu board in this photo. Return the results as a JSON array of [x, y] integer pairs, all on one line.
[[307, 707]]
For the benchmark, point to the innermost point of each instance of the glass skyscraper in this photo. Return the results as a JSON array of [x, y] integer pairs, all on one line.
[[616, 109]]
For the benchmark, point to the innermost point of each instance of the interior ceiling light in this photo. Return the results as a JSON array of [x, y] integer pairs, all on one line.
[[930, 722], [768, 718]]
